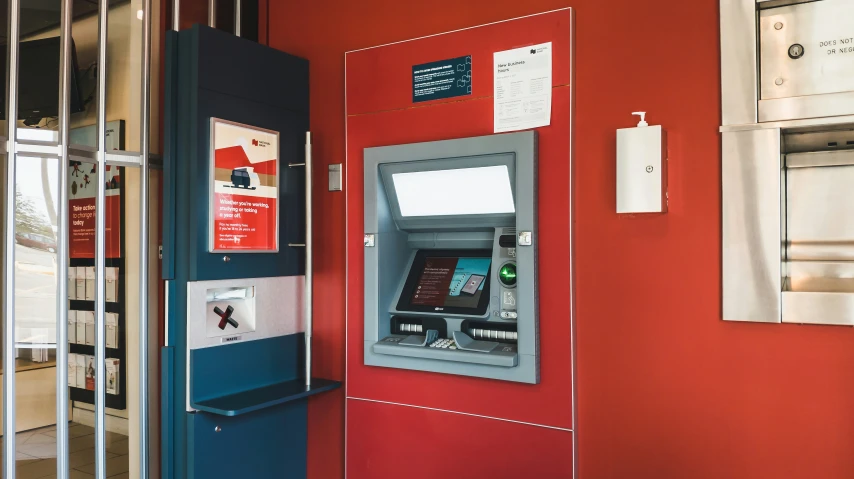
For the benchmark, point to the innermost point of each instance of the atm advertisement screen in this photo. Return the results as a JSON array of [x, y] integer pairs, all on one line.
[[445, 283]]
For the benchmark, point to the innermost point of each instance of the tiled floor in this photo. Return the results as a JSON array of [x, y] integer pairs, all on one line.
[[36, 453]]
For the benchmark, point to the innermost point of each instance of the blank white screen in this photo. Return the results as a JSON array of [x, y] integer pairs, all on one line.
[[465, 191]]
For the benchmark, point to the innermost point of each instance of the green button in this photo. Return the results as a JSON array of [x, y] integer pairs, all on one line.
[[507, 274]]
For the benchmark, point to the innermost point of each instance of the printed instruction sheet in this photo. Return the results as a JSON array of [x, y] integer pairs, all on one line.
[[522, 87]]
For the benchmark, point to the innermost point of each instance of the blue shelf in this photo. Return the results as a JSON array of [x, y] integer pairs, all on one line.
[[264, 397]]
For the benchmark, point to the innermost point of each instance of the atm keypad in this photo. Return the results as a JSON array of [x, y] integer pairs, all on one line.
[[444, 344]]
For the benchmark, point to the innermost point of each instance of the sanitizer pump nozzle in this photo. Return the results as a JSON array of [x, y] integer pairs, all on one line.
[[642, 115]]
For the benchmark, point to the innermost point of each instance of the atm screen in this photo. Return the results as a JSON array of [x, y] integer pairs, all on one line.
[[448, 282]]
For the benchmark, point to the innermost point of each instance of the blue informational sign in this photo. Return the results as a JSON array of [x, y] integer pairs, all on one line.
[[441, 79]]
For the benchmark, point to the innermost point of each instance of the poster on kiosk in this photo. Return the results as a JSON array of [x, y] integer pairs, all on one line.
[[244, 188]]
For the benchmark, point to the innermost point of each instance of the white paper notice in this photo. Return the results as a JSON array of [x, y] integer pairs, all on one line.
[[523, 87]]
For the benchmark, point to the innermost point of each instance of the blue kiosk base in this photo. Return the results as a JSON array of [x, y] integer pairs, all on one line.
[[233, 406]]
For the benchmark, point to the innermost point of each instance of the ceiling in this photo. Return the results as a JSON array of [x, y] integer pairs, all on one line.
[[38, 15]]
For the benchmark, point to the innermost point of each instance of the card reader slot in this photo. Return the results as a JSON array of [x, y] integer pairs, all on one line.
[[491, 331]]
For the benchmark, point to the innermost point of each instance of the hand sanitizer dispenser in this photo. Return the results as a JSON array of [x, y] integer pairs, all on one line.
[[641, 168]]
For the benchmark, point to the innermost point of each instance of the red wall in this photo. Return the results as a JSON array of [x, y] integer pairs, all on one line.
[[665, 388]]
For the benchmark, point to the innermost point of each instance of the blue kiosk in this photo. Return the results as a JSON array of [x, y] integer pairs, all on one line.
[[236, 260]]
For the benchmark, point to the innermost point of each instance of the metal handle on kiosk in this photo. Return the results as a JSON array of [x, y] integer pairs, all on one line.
[[308, 260], [9, 245]]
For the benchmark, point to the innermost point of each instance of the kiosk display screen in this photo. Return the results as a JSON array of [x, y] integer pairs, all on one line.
[[448, 282]]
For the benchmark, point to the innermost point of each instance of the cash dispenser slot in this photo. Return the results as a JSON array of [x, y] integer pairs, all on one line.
[[450, 257], [818, 283]]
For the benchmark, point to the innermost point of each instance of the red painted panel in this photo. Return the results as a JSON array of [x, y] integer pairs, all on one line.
[[392, 65], [666, 389], [546, 403], [394, 442]]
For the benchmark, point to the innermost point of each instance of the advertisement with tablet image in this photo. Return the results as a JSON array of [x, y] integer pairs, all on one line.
[[451, 282]]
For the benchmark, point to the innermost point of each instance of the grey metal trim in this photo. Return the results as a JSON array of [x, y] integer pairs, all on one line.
[[100, 251], [62, 464], [809, 106], [820, 158], [739, 76], [237, 18], [804, 124], [818, 308], [14, 16], [124, 158], [752, 225], [38, 149], [212, 13], [309, 263], [144, 240], [765, 4], [176, 15]]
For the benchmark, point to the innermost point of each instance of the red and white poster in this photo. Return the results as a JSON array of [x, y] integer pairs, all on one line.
[[244, 188], [82, 190]]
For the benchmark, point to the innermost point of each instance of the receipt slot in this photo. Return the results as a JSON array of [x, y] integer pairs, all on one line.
[[451, 257]]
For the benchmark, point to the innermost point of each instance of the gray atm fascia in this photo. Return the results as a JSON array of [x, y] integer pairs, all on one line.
[[384, 279]]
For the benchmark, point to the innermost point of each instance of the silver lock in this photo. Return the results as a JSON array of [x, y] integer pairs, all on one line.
[[226, 259], [217, 429], [525, 238]]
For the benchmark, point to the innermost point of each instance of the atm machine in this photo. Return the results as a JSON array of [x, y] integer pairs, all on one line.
[[236, 260], [451, 257]]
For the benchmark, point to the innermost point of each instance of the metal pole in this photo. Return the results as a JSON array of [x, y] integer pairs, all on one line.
[[145, 139], [176, 15], [237, 18], [212, 13], [9, 245], [309, 293], [100, 250], [62, 246]]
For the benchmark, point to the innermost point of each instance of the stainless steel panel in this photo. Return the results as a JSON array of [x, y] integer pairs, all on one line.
[[763, 4], [820, 158], [819, 201], [818, 308], [752, 225], [738, 62], [813, 106], [801, 124], [829, 138], [821, 276], [825, 32]]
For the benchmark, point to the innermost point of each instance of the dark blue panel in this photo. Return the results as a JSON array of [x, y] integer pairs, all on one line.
[[237, 367], [214, 74], [238, 67], [267, 444], [167, 355]]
